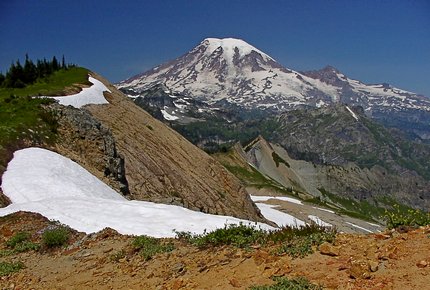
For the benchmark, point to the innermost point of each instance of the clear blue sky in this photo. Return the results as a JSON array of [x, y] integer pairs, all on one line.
[[373, 41]]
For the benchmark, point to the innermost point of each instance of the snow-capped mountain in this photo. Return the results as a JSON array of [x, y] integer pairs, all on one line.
[[235, 71], [230, 72]]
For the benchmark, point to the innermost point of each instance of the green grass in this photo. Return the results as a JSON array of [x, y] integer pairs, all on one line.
[[148, 246], [52, 85], [7, 268], [56, 237], [241, 236], [23, 119], [20, 242], [353, 208], [18, 238], [401, 216], [299, 242], [118, 255], [294, 241], [283, 283]]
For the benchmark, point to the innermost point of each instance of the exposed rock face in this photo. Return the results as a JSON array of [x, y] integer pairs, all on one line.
[[84, 139], [163, 166], [346, 154]]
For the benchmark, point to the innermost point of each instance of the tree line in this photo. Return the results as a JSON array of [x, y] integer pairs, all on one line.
[[19, 76]]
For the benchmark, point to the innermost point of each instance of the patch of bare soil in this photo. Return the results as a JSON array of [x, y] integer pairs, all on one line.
[[106, 260]]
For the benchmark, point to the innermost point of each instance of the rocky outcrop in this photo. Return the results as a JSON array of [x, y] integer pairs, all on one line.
[[162, 166], [85, 140]]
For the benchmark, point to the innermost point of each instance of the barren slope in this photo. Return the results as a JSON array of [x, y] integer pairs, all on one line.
[[106, 260], [162, 166]]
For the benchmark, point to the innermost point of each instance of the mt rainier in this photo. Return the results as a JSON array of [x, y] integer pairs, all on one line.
[[225, 73]]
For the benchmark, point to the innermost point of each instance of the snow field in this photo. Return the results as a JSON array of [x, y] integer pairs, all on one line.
[[45, 182], [91, 95]]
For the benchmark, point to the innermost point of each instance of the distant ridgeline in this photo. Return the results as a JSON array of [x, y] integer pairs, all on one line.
[[19, 76]]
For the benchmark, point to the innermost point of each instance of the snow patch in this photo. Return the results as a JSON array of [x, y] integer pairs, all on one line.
[[45, 182], [91, 95], [352, 113], [324, 209], [168, 117], [358, 227], [228, 46], [279, 217], [283, 198], [319, 221]]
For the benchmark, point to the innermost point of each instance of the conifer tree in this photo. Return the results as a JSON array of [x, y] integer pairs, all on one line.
[[2, 78]]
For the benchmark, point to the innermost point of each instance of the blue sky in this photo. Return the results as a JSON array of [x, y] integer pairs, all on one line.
[[373, 41]]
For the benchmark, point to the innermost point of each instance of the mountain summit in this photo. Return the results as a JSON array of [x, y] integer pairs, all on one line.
[[226, 73]]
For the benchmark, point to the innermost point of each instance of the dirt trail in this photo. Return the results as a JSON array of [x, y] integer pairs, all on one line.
[[390, 260]]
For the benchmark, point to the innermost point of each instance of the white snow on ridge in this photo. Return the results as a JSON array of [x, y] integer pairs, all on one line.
[[352, 113], [167, 116], [319, 221], [279, 217], [283, 198], [229, 44], [91, 95], [358, 227], [42, 181], [324, 209]]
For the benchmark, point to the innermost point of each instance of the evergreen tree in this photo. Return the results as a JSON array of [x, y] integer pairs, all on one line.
[[30, 72], [63, 63], [2, 78], [55, 65]]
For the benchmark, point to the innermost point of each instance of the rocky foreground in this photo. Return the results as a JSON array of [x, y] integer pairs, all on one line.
[[106, 260]]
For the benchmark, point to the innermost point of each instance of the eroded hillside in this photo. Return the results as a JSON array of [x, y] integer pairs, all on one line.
[[163, 166]]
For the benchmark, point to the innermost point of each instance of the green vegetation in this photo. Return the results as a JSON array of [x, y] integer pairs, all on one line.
[[252, 177], [7, 268], [216, 135], [19, 76], [56, 237], [279, 160], [353, 208], [54, 84], [241, 236], [283, 283], [118, 255], [401, 216], [293, 241], [17, 239], [21, 242], [299, 242], [148, 246], [24, 120]]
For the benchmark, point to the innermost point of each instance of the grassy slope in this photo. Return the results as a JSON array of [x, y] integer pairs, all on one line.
[[23, 119]]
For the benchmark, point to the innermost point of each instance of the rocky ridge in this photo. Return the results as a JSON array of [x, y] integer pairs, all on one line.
[[86, 141], [162, 166]]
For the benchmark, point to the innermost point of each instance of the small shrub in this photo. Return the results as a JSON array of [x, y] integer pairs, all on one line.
[[238, 235], [56, 237], [398, 217], [148, 246], [115, 257], [7, 252], [7, 268], [17, 239], [299, 242], [282, 283], [26, 246], [19, 243]]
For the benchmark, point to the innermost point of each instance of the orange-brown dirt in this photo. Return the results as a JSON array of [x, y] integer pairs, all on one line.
[[390, 260]]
